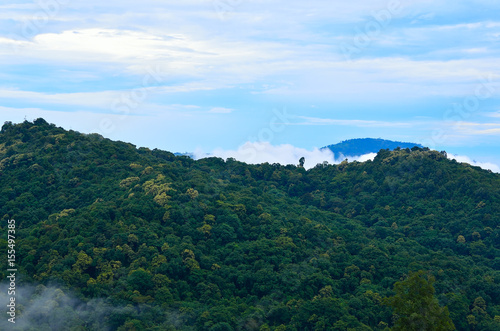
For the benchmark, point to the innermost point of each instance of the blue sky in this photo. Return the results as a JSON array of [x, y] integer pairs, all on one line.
[[214, 75]]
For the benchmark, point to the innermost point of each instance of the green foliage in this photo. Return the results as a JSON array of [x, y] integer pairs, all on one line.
[[140, 280], [179, 244], [415, 306]]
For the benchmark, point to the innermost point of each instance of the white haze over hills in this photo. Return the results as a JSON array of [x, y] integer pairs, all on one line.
[[261, 152], [485, 165]]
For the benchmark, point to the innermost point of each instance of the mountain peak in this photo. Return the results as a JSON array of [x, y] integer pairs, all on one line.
[[361, 146]]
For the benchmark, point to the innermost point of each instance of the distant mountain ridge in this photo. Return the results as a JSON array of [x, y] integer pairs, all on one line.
[[361, 146]]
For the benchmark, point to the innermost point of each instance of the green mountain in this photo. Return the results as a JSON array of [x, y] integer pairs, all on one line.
[[113, 237], [361, 146]]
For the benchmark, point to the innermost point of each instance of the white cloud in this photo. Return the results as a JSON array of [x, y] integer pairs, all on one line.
[[102, 99], [494, 114], [134, 99], [313, 67], [363, 158], [485, 165], [261, 152], [477, 129], [101, 45]]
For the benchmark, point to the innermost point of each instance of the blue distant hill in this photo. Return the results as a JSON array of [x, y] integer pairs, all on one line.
[[191, 155], [360, 146]]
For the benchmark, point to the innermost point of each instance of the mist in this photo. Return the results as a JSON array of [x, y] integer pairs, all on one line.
[[261, 152], [41, 308]]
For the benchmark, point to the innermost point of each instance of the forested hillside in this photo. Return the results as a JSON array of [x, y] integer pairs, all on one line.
[[177, 244]]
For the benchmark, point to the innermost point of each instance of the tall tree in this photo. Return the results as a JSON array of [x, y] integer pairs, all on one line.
[[415, 307]]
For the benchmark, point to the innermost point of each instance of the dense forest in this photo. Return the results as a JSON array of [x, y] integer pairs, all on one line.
[[114, 237]]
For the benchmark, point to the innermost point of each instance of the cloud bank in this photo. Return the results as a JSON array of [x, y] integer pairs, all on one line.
[[40, 307], [261, 152], [484, 165], [49, 308]]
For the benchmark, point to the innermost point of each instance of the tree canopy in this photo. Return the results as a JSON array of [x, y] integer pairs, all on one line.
[[416, 308], [165, 242]]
